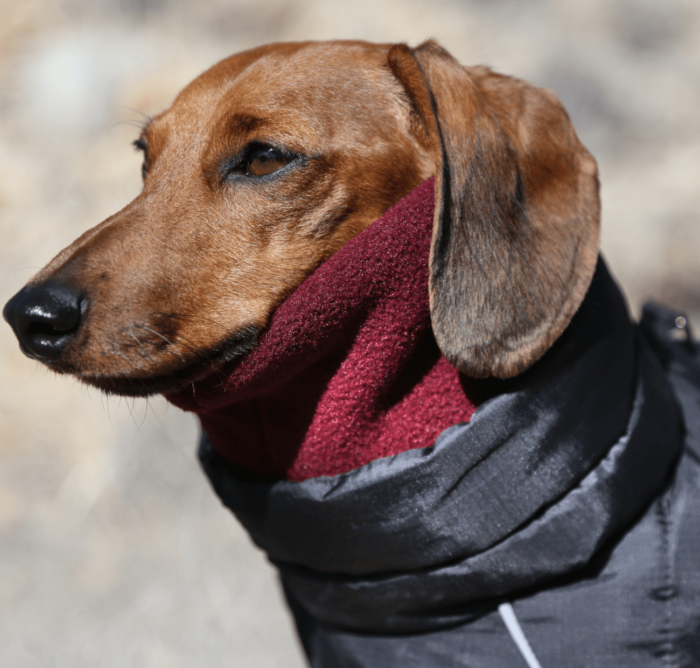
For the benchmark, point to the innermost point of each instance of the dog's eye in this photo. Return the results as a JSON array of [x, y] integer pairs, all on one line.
[[264, 160], [140, 145]]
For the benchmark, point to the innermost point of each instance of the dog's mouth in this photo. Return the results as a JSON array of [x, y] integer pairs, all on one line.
[[175, 377]]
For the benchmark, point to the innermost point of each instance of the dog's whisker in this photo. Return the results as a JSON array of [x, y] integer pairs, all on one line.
[[145, 118], [132, 123], [139, 426], [182, 340], [141, 351], [161, 336], [155, 414]]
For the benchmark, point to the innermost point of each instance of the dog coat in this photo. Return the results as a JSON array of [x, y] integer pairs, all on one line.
[[419, 518]]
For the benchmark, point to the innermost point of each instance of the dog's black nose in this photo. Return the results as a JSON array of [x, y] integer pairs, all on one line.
[[44, 319]]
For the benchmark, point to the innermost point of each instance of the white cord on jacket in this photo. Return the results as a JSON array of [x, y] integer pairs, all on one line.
[[511, 621]]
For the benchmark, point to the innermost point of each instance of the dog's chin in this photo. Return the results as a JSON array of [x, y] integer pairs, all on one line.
[[174, 378]]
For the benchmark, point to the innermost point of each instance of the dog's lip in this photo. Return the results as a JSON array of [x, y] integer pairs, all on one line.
[[146, 386], [234, 349]]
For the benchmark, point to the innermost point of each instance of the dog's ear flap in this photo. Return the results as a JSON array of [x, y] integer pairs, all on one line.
[[516, 229]]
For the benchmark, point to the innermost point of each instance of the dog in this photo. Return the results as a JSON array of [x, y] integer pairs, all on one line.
[[522, 380]]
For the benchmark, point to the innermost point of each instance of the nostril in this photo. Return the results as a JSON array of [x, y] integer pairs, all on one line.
[[44, 318], [44, 328]]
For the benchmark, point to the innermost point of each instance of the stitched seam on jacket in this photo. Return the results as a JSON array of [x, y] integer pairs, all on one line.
[[669, 646]]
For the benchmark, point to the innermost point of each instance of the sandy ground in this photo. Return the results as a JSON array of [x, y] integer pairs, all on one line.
[[113, 550]]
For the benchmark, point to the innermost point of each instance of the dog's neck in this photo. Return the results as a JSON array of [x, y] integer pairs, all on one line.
[[348, 370]]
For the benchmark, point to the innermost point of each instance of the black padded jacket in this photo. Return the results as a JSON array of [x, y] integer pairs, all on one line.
[[559, 528]]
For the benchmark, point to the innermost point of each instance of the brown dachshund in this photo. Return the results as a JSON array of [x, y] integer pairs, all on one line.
[[402, 524], [271, 161]]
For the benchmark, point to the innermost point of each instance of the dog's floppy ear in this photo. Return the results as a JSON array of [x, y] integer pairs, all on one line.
[[515, 237]]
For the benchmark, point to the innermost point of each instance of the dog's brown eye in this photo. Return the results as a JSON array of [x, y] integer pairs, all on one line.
[[264, 160]]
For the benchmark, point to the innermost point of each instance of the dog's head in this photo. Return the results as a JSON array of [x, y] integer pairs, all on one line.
[[272, 160]]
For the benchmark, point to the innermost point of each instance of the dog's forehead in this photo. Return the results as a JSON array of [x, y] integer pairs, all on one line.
[[318, 80], [345, 70], [295, 68]]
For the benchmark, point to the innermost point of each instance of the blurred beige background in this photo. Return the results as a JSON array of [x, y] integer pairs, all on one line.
[[113, 550]]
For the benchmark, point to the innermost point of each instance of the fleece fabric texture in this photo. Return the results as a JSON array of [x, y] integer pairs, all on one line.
[[347, 371]]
